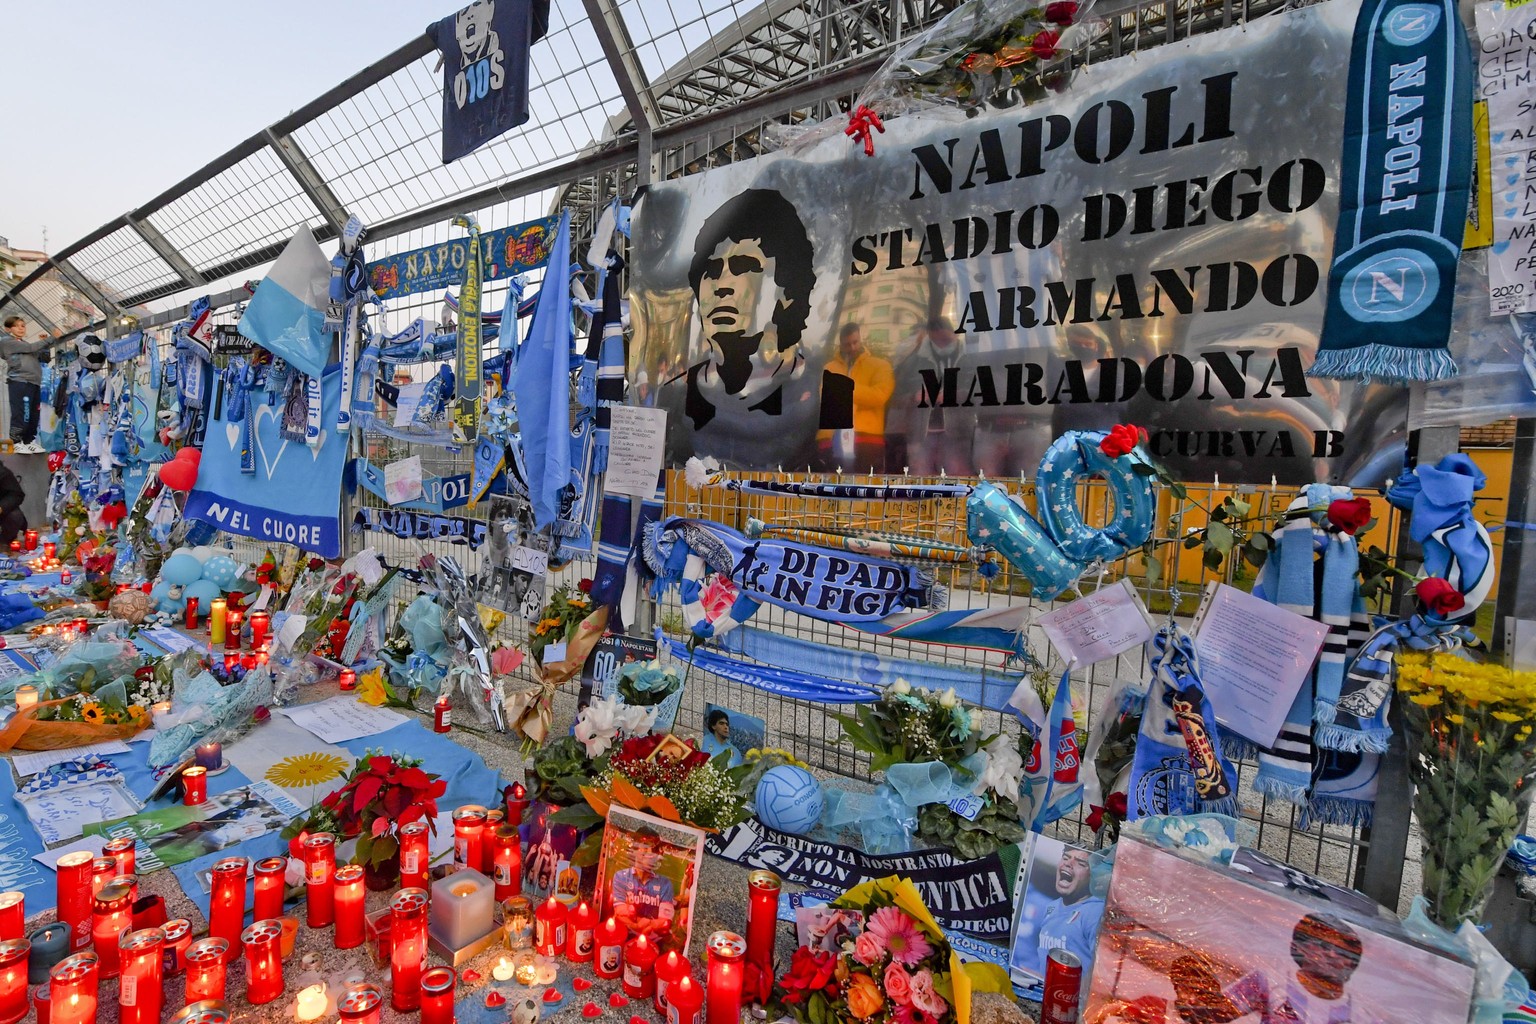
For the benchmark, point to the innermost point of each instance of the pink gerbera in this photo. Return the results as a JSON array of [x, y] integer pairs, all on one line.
[[912, 1015], [899, 934]]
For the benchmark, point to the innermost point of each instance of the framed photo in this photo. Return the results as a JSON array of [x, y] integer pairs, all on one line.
[[1055, 908], [1195, 942], [648, 876], [734, 731], [547, 864], [827, 928]]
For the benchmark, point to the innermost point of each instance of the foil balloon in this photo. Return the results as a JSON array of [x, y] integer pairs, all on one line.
[[997, 519], [1073, 456]]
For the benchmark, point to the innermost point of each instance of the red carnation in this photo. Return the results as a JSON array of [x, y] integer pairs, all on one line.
[[1044, 44], [1123, 438], [1440, 597], [1349, 514], [1062, 12]]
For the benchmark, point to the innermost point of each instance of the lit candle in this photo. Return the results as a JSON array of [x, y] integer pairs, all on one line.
[[408, 955], [271, 886], [361, 1003], [73, 877], [349, 906], [111, 917], [463, 908], [209, 755], [487, 865], [261, 625], [248, 661], [578, 946], [639, 964], [123, 851], [216, 614], [546, 969], [503, 971], [549, 927], [123, 588], [72, 990], [42, 1003], [414, 855], [347, 680], [50, 944], [140, 994], [726, 951], [320, 868], [15, 547], [178, 938], [227, 903], [437, 996], [507, 870], [442, 715], [103, 870], [13, 915], [159, 710], [232, 618], [194, 786], [50, 550], [190, 620], [608, 957], [263, 961], [231, 659], [26, 696], [526, 967], [517, 918], [670, 969], [684, 1001], [309, 1004], [468, 836], [516, 799], [207, 969], [66, 577], [762, 917], [13, 980], [31, 536]]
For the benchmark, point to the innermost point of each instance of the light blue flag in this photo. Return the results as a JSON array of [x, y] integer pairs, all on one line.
[[543, 386], [286, 316]]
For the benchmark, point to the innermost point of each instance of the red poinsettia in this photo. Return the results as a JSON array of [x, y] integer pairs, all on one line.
[[1123, 438], [1440, 597], [809, 971], [383, 791]]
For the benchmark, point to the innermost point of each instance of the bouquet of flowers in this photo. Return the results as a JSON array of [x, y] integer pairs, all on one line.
[[646, 684], [1471, 756], [900, 968], [909, 725], [560, 618]]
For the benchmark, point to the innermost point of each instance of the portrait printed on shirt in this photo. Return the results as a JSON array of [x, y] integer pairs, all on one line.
[[1055, 908], [648, 876]]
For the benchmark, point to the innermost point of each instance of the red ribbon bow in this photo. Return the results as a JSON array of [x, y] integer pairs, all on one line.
[[859, 124]]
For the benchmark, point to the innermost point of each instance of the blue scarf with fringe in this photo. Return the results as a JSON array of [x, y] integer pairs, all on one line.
[[1179, 767]]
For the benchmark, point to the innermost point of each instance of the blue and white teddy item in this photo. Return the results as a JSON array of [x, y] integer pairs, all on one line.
[[203, 573]]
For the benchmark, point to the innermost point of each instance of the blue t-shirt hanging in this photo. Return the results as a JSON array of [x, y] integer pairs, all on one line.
[[485, 69]]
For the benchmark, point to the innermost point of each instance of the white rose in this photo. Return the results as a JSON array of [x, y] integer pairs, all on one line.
[[977, 720], [948, 699], [900, 687]]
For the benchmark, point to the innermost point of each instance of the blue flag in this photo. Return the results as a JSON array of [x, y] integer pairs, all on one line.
[[543, 386]]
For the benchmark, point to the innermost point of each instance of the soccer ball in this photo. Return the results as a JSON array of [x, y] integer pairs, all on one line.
[[789, 799]]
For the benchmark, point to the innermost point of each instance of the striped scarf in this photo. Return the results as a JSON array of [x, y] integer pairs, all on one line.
[[850, 492], [618, 529], [1179, 767], [605, 347], [898, 547]]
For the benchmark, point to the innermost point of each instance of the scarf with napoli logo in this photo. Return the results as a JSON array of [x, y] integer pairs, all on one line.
[[1179, 767]]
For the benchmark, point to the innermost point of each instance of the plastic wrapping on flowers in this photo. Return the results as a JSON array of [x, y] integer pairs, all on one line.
[[984, 53]]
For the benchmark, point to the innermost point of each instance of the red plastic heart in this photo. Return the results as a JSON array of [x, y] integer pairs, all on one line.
[[469, 976], [552, 995], [581, 984], [617, 1000], [638, 1020], [178, 474], [494, 999], [591, 1010]]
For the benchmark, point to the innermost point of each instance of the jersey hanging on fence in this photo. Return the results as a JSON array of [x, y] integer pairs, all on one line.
[[485, 69]]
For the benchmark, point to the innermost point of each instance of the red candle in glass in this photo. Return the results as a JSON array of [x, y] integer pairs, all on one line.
[[230, 661], [408, 937], [111, 917], [178, 938], [271, 886], [726, 954], [261, 625], [207, 968], [319, 874], [762, 918], [31, 536], [517, 803], [50, 550], [190, 621], [66, 577], [670, 969], [639, 961], [684, 1001], [13, 915], [493, 818], [469, 836], [263, 961], [140, 995], [347, 680], [578, 944], [361, 1003], [248, 661], [437, 996], [103, 870], [232, 618], [121, 850], [349, 895], [227, 904], [15, 547], [414, 855], [549, 927], [72, 990], [608, 953], [507, 867], [42, 1003], [73, 879], [194, 786], [13, 980]]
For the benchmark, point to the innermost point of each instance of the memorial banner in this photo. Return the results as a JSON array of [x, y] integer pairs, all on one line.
[[1150, 246], [505, 252]]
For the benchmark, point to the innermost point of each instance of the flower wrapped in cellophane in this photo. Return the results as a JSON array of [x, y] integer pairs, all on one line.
[[1472, 753]]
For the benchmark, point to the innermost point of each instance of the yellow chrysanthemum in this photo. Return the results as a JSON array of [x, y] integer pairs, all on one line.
[[1455, 719], [93, 713], [1425, 700], [306, 770], [1508, 716]]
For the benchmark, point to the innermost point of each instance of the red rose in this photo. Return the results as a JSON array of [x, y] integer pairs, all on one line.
[[1044, 47], [585, 586], [809, 971], [1349, 515], [316, 564], [1123, 438], [1062, 12], [1118, 805], [1440, 597]]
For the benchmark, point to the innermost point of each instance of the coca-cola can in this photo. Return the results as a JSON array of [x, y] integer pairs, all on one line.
[[1063, 987]]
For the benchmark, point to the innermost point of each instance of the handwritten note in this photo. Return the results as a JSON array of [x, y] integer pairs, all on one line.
[[1508, 38], [402, 480], [1254, 656], [639, 440], [343, 718], [1105, 623]]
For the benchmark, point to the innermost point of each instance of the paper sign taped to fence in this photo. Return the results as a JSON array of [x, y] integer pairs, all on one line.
[[1254, 656], [1105, 623], [638, 442]]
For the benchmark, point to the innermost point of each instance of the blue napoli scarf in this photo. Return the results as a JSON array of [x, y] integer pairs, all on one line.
[[785, 682], [851, 492], [619, 526], [608, 340], [1179, 767], [987, 629]]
